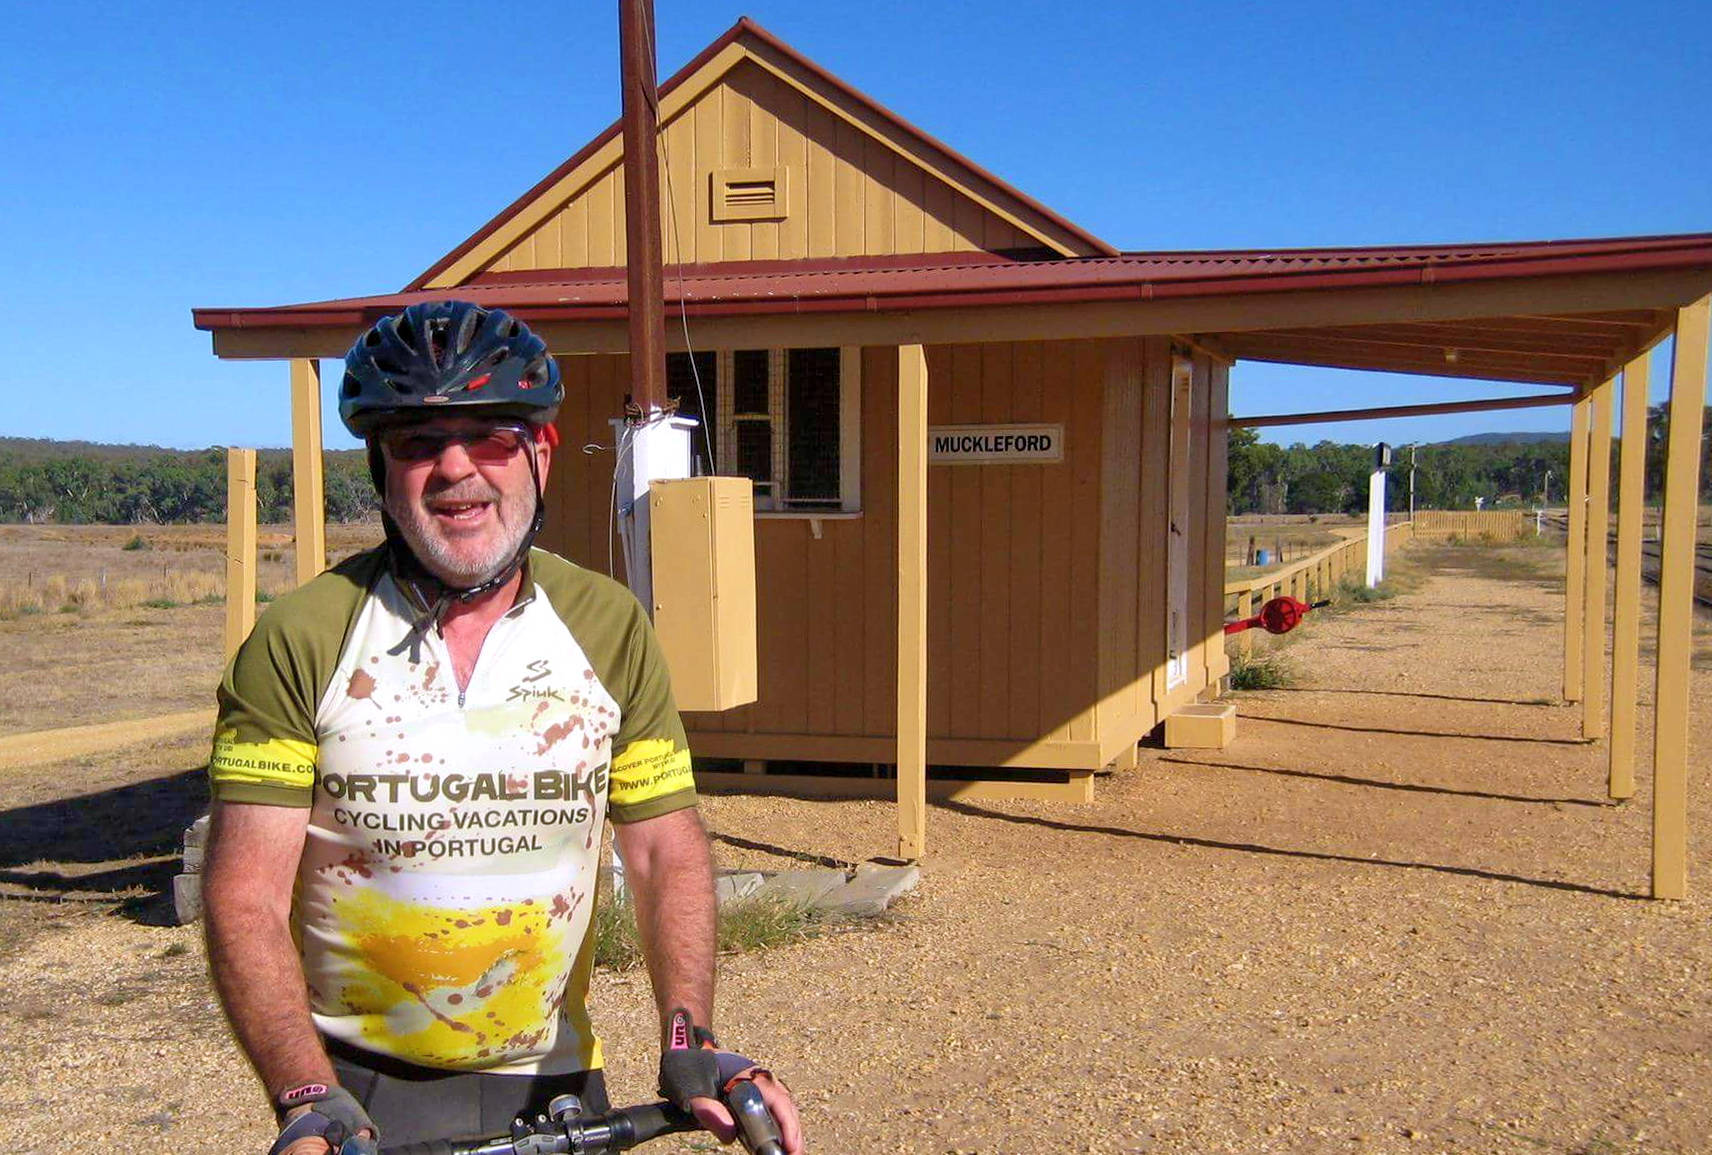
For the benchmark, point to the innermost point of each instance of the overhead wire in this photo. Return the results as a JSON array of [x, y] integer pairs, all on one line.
[[678, 263]]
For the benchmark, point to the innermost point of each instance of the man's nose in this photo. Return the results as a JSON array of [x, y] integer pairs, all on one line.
[[453, 462]]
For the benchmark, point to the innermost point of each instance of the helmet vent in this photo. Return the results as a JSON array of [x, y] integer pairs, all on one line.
[[437, 340]]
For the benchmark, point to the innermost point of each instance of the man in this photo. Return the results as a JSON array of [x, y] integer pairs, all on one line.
[[414, 757]]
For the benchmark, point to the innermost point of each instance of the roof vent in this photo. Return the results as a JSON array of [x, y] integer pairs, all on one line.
[[750, 194]]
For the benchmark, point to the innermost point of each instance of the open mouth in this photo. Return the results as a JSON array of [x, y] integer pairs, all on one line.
[[459, 512]]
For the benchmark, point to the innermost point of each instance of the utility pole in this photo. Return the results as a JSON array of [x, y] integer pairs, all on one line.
[[651, 443], [642, 205], [1411, 483]]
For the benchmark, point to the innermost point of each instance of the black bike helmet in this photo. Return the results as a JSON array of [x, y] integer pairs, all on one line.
[[448, 357]]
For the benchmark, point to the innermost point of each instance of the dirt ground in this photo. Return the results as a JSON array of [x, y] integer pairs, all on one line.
[[1398, 915]]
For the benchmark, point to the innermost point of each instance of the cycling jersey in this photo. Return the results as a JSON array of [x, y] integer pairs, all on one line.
[[444, 898]]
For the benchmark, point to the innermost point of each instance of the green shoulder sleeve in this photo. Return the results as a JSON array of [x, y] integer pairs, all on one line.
[[651, 772], [265, 748]]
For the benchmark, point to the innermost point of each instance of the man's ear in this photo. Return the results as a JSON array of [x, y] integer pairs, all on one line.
[[543, 461]]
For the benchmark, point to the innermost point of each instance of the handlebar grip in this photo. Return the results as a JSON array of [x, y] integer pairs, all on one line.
[[633, 1125], [755, 1124]]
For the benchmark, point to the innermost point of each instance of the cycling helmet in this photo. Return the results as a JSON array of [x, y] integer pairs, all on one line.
[[448, 357]]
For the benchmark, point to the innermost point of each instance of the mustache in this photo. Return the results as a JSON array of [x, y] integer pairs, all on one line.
[[469, 489]]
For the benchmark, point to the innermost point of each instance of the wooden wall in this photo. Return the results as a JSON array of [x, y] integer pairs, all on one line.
[[1046, 607], [849, 194]]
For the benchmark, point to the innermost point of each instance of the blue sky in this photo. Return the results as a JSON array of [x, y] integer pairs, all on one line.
[[164, 156]]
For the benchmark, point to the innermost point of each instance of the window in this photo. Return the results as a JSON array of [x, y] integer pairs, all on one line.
[[784, 418]]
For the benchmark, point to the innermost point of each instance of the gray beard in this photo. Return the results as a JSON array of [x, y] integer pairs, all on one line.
[[457, 568]]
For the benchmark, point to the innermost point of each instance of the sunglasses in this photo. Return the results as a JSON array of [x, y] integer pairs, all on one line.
[[494, 446]]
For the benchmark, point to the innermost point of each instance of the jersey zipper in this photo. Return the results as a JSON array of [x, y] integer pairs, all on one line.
[[489, 643]]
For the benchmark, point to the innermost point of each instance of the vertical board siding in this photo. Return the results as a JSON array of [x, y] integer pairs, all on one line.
[[1120, 501], [1057, 601], [1151, 640], [1016, 609], [1025, 533], [960, 609], [997, 406], [878, 550], [849, 194], [1084, 437]]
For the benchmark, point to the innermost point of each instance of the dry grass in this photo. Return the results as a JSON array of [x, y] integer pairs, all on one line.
[[51, 569], [59, 594]]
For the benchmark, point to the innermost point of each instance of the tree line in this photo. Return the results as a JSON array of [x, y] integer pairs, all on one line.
[[1333, 478], [78, 483], [81, 482]]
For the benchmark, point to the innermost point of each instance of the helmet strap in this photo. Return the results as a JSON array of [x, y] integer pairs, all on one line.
[[435, 593]]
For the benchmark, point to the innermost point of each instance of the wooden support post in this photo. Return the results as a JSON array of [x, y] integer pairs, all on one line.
[[308, 494], [1676, 603], [912, 602], [1244, 611], [240, 546], [1626, 627], [1574, 592], [1598, 558]]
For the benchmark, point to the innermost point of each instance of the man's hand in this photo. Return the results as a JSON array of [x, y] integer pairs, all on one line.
[[697, 1076], [319, 1118], [713, 1114]]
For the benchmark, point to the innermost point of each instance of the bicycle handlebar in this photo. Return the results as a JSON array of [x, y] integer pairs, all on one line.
[[617, 1130], [563, 1131]]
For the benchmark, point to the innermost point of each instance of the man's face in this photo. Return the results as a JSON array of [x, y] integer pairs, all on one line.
[[460, 490]]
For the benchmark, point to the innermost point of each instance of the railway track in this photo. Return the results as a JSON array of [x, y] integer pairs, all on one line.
[[1650, 552]]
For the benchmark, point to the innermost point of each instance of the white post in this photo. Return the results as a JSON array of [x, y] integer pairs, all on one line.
[[658, 449], [1376, 516]]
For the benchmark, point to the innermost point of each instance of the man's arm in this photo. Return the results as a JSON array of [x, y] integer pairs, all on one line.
[[668, 868], [247, 881]]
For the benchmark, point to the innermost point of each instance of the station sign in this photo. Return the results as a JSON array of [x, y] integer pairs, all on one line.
[[995, 444]]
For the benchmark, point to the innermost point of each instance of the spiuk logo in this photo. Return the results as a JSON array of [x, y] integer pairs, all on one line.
[[526, 691]]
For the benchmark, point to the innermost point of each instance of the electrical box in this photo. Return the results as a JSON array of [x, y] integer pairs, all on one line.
[[702, 537]]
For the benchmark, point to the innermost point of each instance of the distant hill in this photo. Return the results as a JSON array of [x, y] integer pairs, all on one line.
[[33, 449], [1505, 439]]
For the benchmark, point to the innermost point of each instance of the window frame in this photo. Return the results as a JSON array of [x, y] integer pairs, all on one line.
[[771, 497]]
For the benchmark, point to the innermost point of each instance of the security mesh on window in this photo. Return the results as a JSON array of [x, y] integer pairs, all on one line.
[[811, 407], [681, 377], [755, 450], [749, 383]]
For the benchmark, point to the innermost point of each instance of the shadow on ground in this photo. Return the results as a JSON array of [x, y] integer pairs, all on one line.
[[119, 846], [1281, 851], [1381, 784]]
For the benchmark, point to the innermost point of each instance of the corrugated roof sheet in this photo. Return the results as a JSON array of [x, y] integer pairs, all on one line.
[[940, 281]]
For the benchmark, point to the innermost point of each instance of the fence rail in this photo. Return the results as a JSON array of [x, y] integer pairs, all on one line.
[[1311, 578]]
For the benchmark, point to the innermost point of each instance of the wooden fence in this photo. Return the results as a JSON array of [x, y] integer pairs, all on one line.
[[1491, 525], [1310, 579]]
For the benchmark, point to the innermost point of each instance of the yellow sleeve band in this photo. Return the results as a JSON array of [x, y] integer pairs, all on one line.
[[647, 769], [277, 762]]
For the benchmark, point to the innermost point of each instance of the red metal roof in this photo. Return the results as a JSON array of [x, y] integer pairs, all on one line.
[[948, 281]]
